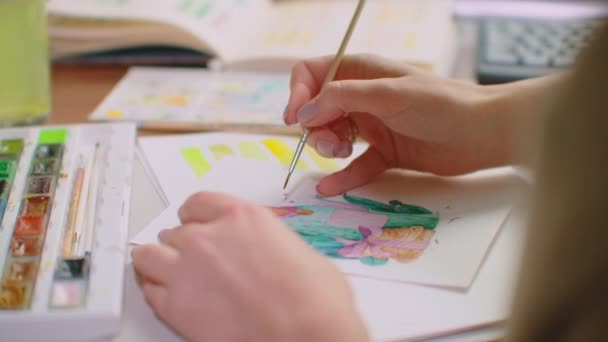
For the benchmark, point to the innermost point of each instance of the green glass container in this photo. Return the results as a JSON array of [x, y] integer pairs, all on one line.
[[25, 96]]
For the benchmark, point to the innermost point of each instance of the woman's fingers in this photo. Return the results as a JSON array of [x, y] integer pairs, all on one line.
[[154, 262], [334, 140], [308, 75], [157, 297], [204, 207], [382, 98], [359, 172], [306, 79]]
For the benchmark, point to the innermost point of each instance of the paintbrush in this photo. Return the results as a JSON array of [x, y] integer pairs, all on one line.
[[331, 74]]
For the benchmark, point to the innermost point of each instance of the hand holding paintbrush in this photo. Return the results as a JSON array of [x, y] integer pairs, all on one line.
[[331, 74]]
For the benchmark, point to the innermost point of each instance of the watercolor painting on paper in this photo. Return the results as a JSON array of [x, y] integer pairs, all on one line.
[[363, 229], [404, 226]]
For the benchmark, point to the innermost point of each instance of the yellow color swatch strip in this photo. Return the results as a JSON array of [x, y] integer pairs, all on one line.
[[410, 41], [271, 38], [221, 150], [176, 100], [196, 160], [290, 38], [283, 152], [251, 150], [324, 164], [383, 14], [307, 38], [115, 114]]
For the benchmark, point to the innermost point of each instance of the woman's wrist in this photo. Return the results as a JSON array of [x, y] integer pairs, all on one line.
[[516, 113], [492, 126]]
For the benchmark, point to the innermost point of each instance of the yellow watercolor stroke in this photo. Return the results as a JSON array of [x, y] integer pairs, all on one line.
[[283, 152], [251, 150], [221, 150], [324, 164], [195, 159]]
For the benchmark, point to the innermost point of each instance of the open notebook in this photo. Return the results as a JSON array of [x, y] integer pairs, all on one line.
[[256, 33]]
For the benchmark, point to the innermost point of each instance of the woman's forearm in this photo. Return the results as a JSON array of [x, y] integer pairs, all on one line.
[[519, 109]]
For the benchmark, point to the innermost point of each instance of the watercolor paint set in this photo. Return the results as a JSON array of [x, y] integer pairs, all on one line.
[[64, 205]]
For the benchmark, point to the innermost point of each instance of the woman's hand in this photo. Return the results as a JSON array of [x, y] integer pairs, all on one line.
[[410, 118], [235, 272]]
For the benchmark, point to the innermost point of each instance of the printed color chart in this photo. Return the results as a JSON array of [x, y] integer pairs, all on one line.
[[197, 96]]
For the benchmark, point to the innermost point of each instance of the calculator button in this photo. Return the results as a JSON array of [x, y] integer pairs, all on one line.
[[536, 60], [563, 61], [512, 49], [502, 57], [514, 28], [522, 50]]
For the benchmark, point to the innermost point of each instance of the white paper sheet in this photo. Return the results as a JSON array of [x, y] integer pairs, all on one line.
[[471, 209], [392, 311]]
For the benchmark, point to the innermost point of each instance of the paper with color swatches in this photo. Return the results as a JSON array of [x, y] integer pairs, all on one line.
[[148, 94], [406, 227]]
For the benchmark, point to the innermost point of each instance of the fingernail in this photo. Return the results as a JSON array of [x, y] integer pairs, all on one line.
[[160, 235], [307, 112], [325, 148], [320, 193], [318, 189], [134, 252], [285, 116], [344, 149]]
